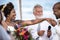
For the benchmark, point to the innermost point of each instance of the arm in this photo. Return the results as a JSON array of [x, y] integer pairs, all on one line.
[[30, 22], [52, 22]]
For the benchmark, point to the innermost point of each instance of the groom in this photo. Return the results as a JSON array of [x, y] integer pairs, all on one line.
[[56, 11]]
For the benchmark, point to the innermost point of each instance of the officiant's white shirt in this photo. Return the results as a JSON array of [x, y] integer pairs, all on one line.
[[44, 26]]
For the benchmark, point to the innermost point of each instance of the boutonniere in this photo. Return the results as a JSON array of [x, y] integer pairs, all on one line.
[[58, 22]]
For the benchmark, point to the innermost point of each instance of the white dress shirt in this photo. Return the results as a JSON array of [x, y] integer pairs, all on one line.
[[43, 26], [57, 28]]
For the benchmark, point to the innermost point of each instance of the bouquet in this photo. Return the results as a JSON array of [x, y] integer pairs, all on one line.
[[21, 33]]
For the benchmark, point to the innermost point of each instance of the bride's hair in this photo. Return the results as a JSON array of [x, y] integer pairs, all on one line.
[[1, 18], [8, 9], [1, 6]]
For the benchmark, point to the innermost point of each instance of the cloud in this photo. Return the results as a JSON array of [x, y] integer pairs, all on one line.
[[27, 6]]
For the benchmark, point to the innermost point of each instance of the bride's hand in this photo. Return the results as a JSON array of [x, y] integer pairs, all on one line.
[[51, 21]]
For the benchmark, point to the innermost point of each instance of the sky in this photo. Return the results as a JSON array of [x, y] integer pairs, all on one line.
[[27, 7], [16, 6]]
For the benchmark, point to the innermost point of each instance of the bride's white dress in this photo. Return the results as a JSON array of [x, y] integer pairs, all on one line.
[[11, 29]]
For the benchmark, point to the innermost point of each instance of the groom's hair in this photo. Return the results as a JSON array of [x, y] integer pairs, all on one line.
[[58, 3]]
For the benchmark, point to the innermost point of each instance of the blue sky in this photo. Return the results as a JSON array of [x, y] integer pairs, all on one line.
[[27, 6], [16, 5]]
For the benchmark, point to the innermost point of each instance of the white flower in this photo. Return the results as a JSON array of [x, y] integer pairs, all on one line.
[[10, 28]]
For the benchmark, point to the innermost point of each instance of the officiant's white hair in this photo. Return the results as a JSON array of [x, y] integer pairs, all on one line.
[[37, 6]]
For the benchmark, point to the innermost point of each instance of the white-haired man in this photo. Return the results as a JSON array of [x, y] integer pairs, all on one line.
[[40, 31]]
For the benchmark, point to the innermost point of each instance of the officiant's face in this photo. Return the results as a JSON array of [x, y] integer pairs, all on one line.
[[56, 10], [38, 12]]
